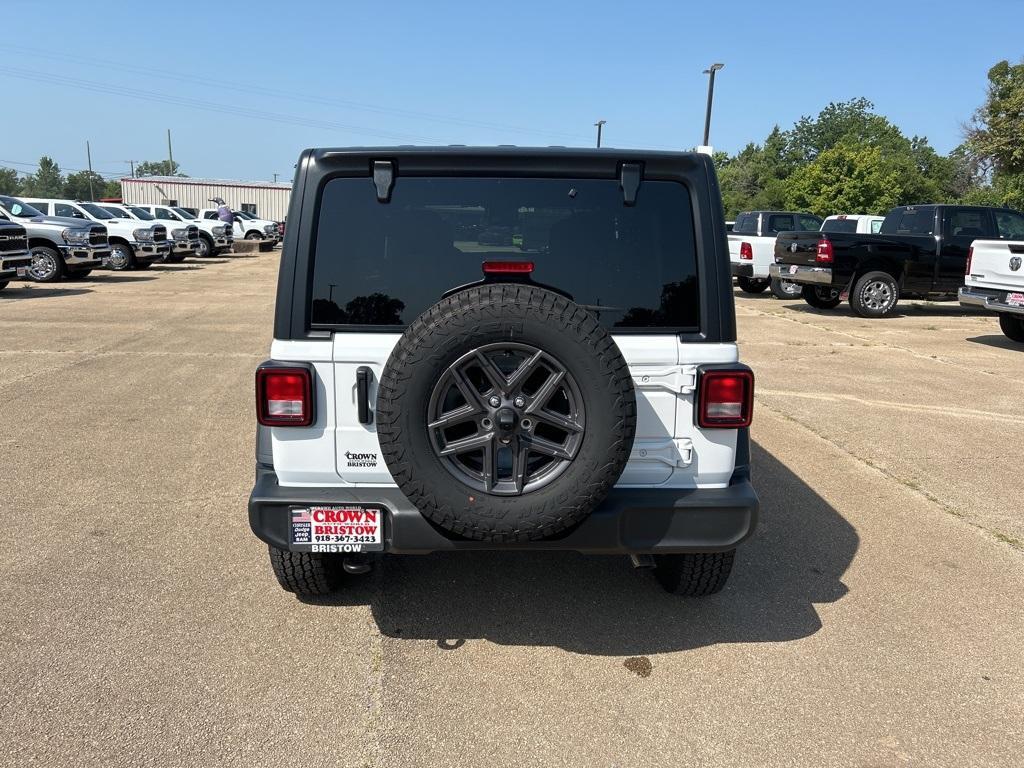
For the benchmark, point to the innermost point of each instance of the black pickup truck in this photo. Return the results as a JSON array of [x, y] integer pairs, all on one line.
[[920, 252]]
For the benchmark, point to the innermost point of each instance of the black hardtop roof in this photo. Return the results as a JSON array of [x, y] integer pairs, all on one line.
[[501, 150]]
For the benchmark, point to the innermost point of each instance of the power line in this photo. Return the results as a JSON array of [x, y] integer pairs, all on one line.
[[290, 95], [10, 163], [210, 106]]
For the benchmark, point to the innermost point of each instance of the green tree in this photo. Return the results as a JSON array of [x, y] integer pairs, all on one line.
[[850, 178], [158, 168], [46, 181], [76, 186], [756, 177], [998, 128], [9, 184], [850, 122], [111, 188]]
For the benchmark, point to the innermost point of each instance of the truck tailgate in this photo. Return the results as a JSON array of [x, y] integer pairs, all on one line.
[[797, 248], [997, 264]]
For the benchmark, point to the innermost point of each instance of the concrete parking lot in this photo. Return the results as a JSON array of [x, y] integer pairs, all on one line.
[[874, 620]]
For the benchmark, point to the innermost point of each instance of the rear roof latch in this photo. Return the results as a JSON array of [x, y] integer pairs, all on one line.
[[629, 180], [384, 179]]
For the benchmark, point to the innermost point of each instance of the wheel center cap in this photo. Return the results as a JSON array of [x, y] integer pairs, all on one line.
[[505, 418]]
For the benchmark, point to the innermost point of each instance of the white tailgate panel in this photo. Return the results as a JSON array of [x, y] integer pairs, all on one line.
[[668, 449], [352, 351], [306, 456], [990, 267]]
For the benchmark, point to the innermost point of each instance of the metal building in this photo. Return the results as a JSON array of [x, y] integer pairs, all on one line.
[[268, 200]]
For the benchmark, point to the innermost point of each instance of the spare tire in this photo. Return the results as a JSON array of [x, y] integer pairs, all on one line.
[[506, 413]]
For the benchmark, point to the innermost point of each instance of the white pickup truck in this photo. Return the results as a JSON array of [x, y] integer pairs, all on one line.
[[752, 249], [214, 236], [854, 223], [133, 244], [247, 226], [184, 240], [995, 281]]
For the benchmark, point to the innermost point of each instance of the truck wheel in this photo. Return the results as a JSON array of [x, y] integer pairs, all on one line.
[[506, 413], [874, 294], [253, 236], [47, 265], [821, 297], [205, 247], [306, 573], [785, 289], [122, 257], [1012, 326], [694, 575], [752, 284]]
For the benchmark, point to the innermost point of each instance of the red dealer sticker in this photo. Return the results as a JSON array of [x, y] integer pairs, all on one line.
[[337, 529]]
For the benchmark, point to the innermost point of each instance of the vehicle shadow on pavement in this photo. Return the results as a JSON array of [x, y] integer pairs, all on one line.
[[601, 605], [998, 341], [13, 292], [124, 278]]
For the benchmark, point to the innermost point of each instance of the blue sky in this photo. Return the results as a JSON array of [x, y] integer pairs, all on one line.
[[245, 86]]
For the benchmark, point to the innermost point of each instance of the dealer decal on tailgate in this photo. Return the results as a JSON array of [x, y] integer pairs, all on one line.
[[336, 529]]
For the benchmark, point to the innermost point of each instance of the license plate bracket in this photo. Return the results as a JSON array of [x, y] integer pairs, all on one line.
[[793, 269], [342, 528]]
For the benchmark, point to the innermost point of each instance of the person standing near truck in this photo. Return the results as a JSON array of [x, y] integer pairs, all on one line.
[[224, 213]]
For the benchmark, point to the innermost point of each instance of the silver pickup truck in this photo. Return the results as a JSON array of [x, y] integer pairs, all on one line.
[[14, 258], [59, 246]]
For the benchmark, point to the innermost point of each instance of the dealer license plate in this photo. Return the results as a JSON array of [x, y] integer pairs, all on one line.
[[22, 271], [793, 269], [1015, 299], [340, 528]]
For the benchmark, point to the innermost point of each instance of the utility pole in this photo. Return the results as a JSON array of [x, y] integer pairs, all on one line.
[[170, 154], [131, 163], [88, 157], [711, 95], [275, 178], [599, 124]]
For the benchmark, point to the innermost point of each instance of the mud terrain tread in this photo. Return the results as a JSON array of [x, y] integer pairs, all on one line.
[[479, 307]]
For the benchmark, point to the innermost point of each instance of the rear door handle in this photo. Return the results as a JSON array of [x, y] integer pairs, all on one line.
[[363, 378]]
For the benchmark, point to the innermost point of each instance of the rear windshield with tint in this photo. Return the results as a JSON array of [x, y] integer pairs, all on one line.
[[910, 221], [745, 224], [383, 264], [839, 225], [791, 222]]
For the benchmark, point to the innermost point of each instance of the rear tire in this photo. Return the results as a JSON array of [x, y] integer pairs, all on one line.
[[821, 297], [785, 289], [753, 285], [47, 265], [1012, 326], [874, 294], [307, 574], [694, 575]]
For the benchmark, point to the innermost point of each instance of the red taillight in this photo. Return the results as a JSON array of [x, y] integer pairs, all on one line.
[[284, 397], [725, 399], [746, 252], [970, 258], [824, 252], [508, 267]]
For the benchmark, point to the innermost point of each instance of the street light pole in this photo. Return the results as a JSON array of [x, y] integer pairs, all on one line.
[[599, 124], [711, 95]]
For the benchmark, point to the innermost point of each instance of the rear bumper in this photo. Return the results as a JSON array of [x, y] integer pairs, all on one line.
[[809, 275], [742, 270], [992, 300], [628, 521]]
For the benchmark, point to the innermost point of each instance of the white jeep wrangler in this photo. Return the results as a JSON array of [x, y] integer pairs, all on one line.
[[504, 348]]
